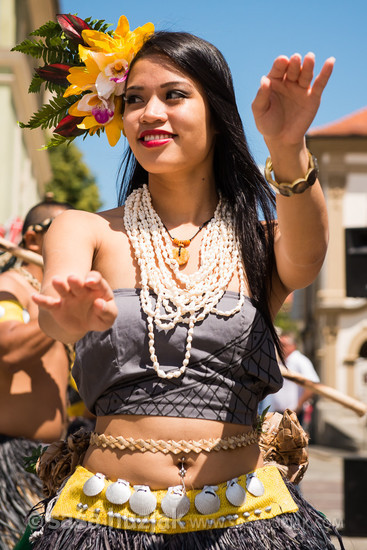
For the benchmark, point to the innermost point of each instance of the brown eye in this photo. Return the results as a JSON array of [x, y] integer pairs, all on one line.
[[131, 99], [176, 94]]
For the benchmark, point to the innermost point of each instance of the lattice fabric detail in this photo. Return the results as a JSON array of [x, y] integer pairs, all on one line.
[[225, 390]]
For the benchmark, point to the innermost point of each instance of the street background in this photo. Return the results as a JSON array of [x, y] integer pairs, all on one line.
[[323, 487]]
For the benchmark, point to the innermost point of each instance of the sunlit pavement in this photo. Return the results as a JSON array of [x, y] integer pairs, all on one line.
[[323, 487]]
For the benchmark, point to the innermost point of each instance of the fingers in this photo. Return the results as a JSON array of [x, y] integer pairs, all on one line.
[[95, 281], [105, 310], [61, 286], [262, 100], [323, 78], [45, 302], [104, 313], [292, 70], [77, 287], [279, 67], [306, 75]]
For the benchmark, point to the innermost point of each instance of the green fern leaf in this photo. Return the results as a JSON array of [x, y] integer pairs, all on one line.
[[53, 51], [57, 140], [35, 85], [99, 25], [30, 47], [55, 88], [49, 29], [50, 114]]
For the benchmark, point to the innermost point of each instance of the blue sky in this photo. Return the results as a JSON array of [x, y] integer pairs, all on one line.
[[250, 34]]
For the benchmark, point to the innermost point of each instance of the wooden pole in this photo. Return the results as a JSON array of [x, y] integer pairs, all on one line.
[[22, 253], [326, 391]]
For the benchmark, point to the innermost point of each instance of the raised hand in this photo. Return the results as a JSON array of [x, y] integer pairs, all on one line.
[[287, 101], [78, 305]]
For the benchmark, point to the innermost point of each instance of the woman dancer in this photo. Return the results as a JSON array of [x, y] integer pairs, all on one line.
[[170, 299]]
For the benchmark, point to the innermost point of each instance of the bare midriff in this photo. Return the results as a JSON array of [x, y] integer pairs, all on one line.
[[159, 470]]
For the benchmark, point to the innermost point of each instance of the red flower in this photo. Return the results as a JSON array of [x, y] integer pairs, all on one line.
[[56, 73], [68, 126], [72, 26]]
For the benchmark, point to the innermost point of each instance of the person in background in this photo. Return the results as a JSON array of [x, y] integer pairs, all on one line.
[[293, 396], [34, 373]]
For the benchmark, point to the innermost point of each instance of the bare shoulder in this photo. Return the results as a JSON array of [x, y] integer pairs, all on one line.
[[13, 287], [76, 218], [79, 226], [92, 222], [114, 218]]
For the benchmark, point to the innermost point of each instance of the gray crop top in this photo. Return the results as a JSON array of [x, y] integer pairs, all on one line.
[[232, 366]]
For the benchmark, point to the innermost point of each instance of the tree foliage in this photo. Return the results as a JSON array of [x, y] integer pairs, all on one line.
[[72, 180], [284, 320]]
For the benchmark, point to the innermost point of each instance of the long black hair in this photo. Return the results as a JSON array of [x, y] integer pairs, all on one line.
[[237, 176]]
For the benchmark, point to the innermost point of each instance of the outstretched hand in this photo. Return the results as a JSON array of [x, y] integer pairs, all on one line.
[[287, 101], [80, 305]]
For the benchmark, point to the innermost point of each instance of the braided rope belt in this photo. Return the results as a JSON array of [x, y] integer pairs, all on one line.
[[175, 447]]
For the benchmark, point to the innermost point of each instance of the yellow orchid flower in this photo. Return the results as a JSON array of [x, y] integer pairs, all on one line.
[[100, 114], [123, 40], [106, 61]]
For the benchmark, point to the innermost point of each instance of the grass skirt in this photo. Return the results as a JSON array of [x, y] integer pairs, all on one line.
[[19, 490], [306, 529]]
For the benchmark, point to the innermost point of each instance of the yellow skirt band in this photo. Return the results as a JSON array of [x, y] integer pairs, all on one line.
[[12, 310], [274, 500]]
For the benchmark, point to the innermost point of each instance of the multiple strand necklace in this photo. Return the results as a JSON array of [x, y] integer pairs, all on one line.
[[181, 298]]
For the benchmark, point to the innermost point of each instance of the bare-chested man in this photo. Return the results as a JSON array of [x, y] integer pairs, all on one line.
[[34, 371]]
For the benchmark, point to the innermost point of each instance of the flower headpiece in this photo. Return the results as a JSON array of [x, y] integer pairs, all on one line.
[[85, 68]]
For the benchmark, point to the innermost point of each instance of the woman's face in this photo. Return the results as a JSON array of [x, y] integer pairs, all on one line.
[[166, 119]]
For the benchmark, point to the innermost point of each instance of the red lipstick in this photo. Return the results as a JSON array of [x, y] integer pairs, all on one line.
[[155, 138]]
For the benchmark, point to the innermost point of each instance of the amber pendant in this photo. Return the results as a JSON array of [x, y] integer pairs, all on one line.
[[181, 254]]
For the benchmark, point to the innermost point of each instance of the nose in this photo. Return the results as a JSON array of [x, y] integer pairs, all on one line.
[[154, 110]]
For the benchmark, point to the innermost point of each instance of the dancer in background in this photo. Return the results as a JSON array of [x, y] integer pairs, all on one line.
[[33, 378]]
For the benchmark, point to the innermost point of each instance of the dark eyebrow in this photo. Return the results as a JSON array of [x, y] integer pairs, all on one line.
[[165, 85], [175, 83]]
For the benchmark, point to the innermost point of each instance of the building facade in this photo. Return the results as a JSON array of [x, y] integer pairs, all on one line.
[[338, 300], [24, 168]]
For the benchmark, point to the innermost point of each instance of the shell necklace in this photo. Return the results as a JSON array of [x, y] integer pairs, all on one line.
[[28, 276], [180, 298]]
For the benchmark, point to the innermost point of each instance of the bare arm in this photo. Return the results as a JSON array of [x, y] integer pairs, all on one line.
[[74, 298], [284, 108], [22, 344], [306, 395]]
